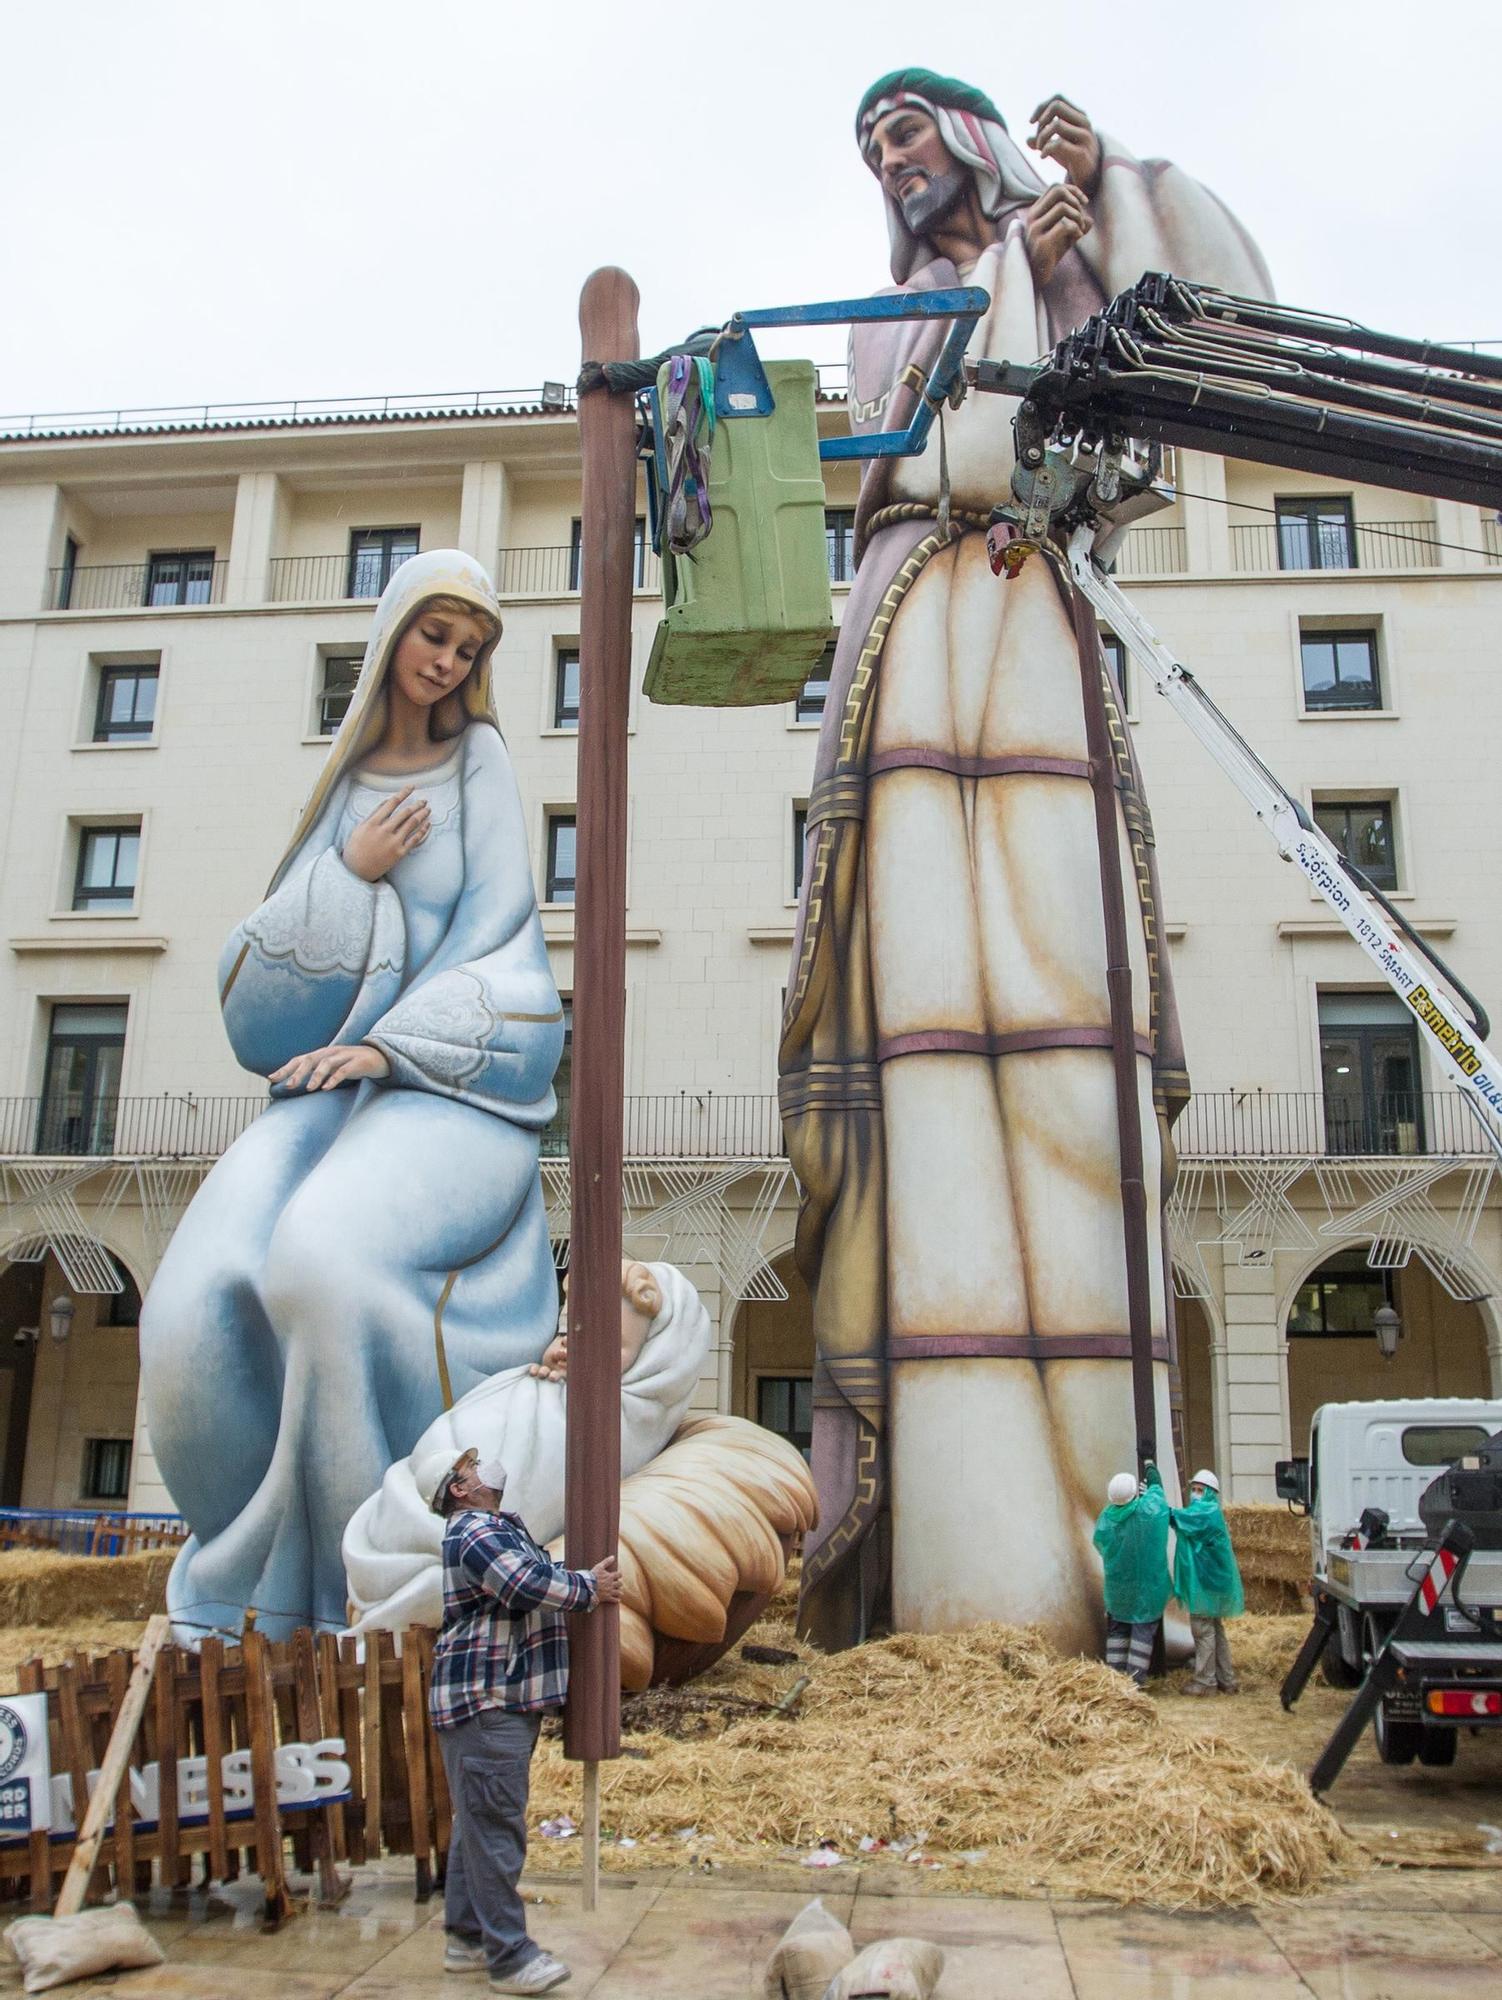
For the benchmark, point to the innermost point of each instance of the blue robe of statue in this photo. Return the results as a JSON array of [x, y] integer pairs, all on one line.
[[288, 1341]]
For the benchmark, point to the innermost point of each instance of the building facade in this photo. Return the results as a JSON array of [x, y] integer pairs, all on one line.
[[182, 611]]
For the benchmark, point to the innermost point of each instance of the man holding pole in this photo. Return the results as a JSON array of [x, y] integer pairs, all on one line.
[[500, 1663]]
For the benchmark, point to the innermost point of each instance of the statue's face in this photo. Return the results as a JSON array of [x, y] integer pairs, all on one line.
[[917, 169], [435, 654]]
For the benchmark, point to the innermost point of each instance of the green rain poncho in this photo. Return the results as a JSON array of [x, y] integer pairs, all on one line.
[[1133, 1544], [1206, 1580]]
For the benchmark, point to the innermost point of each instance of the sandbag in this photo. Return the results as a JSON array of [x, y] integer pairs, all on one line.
[[54, 1950], [814, 1947], [895, 1969]]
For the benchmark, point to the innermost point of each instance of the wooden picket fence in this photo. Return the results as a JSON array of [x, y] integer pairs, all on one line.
[[252, 1697]]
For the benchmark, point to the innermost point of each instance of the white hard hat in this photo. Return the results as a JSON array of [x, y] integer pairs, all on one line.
[[1123, 1487], [1206, 1479], [433, 1471]]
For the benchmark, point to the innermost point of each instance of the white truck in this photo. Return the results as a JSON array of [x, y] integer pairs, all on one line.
[[1405, 1507]]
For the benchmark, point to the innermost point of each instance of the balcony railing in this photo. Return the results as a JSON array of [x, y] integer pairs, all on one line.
[[129, 586], [160, 1128], [1153, 552], [677, 1125], [554, 572], [713, 1125], [1379, 545], [1288, 1124]]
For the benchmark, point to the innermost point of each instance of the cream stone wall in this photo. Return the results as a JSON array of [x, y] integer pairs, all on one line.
[[712, 795]]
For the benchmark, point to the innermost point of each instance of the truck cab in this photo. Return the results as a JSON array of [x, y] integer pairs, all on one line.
[[1366, 1456], [1362, 1485]]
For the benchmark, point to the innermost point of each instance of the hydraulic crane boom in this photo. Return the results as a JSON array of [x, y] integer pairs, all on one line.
[[1419, 981]]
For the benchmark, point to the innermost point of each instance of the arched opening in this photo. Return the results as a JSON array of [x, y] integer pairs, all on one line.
[[772, 1359], [68, 1383], [1196, 1385], [1333, 1355]]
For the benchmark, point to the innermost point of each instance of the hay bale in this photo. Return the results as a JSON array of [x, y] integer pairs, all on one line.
[[40, 1587], [1060, 1770], [1273, 1554]]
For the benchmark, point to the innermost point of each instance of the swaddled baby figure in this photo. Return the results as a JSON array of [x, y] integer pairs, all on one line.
[[392, 1546]]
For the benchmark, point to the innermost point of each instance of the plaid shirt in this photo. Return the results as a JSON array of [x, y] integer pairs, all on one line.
[[504, 1643]]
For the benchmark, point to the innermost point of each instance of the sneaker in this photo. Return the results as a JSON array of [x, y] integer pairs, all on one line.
[[460, 1955], [1193, 1689], [538, 1975]]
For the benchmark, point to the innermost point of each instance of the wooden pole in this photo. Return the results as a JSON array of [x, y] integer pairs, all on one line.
[[607, 450], [112, 1770], [1124, 1058]]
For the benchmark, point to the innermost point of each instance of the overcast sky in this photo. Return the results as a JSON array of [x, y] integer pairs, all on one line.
[[235, 199]]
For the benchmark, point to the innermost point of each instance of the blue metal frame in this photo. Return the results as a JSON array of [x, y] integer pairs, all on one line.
[[741, 388]]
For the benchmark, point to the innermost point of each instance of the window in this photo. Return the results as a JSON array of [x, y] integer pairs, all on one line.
[[566, 687], [180, 576], [1340, 670], [839, 541], [785, 1404], [1441, 1444], [638, 548], [105, 882], [563, 1082], [126, 709], [1116, 659], [800, 842], [373, 554], [81, 1084], [1316, 532], [1363, 831], [66, 573], [1339, 1301], [562, 853], [340, 671], [122, 1308], [106, 1468], [815, 690], [1369, 1062]]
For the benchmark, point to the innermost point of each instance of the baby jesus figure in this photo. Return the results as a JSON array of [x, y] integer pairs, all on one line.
[[393, 1542]]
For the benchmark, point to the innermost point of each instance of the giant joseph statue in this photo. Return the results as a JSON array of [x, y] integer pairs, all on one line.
[[946, 1067]]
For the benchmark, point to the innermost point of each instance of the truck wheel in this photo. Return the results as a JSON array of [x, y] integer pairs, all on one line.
[[1437, 1746], [1335, 1670], [1398, 1742]]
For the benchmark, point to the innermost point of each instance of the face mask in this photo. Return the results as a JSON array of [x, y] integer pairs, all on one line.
[[490, 1472]]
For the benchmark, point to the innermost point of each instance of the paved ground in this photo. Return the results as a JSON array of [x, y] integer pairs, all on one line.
[[1403, 1934]]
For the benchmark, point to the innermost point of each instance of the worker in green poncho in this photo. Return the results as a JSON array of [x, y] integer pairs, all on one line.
[[1132, 1536], [1207, 1583]]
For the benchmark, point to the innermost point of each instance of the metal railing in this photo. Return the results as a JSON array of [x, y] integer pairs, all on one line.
[[1379, 545], [554, 572], [551, 398], [127, 586], [668, 1125], [698, 1125], [323, 580], [1290, 1124], [160, 1128], [1491, 539], [1153, 552]]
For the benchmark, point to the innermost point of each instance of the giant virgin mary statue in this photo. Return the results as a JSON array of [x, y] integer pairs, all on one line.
[[375, 1245]]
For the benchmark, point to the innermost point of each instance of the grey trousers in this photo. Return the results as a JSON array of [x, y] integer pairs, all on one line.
[[1212, 1656], [488, 1763], [1129, 1648]]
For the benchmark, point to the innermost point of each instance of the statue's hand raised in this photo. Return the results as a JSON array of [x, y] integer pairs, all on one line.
[[1055, 223], [397, 826], [326, 1069], [1062, 132]]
